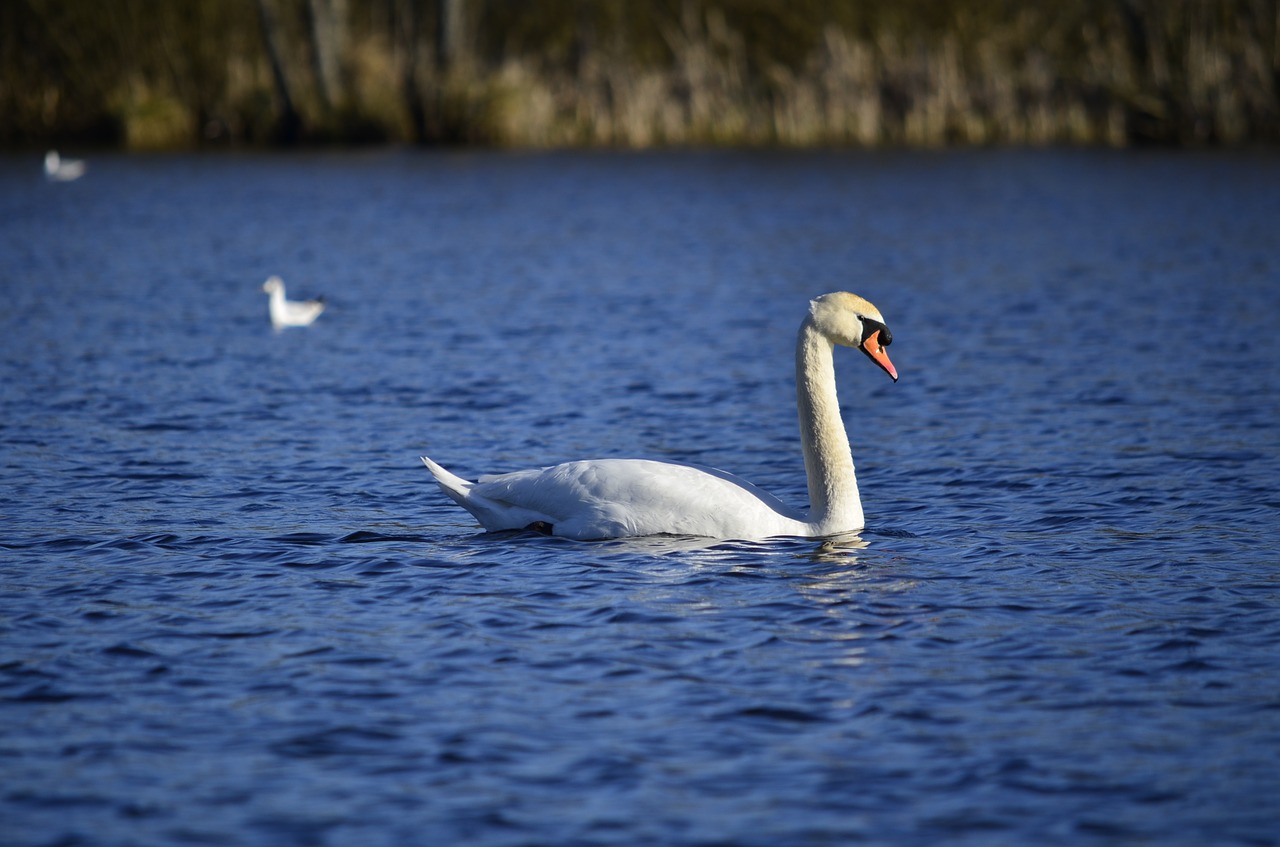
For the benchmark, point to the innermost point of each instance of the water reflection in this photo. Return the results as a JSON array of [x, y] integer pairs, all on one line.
[[659, 545], [840, 549]]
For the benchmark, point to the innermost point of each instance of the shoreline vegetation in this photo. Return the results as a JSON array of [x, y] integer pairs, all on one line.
[[157, 74]]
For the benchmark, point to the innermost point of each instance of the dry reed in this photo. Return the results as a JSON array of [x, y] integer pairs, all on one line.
[[1182, 71]]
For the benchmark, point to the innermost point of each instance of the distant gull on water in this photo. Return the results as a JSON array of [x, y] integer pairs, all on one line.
[[290, 312], [58, 169]]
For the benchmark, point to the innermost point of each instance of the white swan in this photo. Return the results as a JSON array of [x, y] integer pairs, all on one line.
[[613, 498], [58, 169], [290, 312]]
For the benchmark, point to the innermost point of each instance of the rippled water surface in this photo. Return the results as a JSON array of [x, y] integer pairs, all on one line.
[[234, 609]]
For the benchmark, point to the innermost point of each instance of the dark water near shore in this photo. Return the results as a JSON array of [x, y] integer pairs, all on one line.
[[234, 609]]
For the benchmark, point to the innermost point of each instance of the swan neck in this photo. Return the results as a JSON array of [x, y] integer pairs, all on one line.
[[834, 504]]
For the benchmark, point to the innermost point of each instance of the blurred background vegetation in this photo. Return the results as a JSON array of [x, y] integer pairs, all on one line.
[[147, 74]]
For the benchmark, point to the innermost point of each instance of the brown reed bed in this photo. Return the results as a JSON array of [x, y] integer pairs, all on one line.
[[1095, 72]]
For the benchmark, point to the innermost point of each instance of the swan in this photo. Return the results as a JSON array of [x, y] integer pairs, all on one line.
[[615, 498], [58, 169], [290, 312]]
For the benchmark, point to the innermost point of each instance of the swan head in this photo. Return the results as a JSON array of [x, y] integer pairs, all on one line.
[[273, 284], [852, 321], [51, 161]]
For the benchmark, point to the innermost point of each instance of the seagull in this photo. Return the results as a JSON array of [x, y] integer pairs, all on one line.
[[290, 312], [58, 169]]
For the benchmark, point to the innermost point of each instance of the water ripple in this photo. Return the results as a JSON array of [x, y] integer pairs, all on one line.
[[233, 610]]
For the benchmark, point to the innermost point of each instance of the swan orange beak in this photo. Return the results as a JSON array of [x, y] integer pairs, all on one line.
[[872, 347]]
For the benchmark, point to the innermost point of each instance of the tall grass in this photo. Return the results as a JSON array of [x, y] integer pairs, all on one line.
[[1027, 80]]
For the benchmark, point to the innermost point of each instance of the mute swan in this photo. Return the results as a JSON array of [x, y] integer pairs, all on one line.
[[613, 498], [290, 312], [58, 169]]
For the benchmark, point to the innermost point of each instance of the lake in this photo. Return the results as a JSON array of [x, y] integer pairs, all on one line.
[[234, 608]]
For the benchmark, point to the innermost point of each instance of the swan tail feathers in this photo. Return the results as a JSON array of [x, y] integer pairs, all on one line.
[[453, 485], [493, 515]]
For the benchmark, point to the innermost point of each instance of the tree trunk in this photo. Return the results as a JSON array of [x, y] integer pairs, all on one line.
[[451, 27], [328, 19], [290, 126], [408, 36]]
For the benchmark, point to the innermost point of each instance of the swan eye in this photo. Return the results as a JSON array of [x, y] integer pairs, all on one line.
[[871, 326]]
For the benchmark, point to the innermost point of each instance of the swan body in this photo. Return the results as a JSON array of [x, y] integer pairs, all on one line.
[[290, 312], [614, 498], [58, 169], [618, 498]]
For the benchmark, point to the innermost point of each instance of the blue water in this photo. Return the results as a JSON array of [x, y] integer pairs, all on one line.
[[234, 609]]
